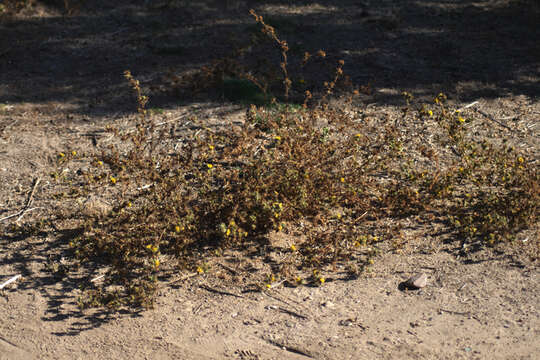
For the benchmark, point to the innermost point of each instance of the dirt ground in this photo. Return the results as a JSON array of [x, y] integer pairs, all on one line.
[[61, 83]]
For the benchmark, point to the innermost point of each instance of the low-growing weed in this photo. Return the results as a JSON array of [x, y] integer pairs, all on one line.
[[315, 170]]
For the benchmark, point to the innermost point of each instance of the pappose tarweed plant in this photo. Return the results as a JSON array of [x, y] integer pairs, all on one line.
[[311, 169]]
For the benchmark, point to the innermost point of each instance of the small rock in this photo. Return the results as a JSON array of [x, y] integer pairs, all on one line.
[[83, 170], [347, 322], [328, 304], [417, 281]]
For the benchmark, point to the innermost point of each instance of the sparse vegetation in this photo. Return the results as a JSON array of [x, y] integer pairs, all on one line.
[[313, 169]]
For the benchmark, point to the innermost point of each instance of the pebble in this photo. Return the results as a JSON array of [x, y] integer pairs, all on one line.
[[328, 304], [417, 281]]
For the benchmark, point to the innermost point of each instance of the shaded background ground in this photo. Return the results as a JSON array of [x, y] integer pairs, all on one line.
[[61, 78]]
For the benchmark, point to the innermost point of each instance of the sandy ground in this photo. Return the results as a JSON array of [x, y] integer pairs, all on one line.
[[60, 79]]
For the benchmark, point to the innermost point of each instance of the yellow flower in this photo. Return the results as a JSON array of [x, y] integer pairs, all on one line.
[[100, 163], [211, 147], [73, 153], [228, 232], [358, 135], [430, 113], [156, 263], [200, 270], [268, 286], [61, 154], [293, 248], [280, 227], [322, 280], [277, 137], [209, 166], [371, 261], [460, 119], [342, 180], [152, 248], [298, 280], [113, 179], [520, 159], [129, 204]]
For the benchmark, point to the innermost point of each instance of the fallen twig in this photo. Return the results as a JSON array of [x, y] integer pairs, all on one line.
[[455, 312], [494, 120], [486, 115], [97, 278], [468, 106], [289, 348], [26, 207], [175, 120], [228, 268], [9, 281], [293, 313], [30, 198], [18, 213], [182, 278], [217, 291], [287, 303]]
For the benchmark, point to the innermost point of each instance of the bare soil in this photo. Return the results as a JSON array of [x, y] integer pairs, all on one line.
[[61, 84]]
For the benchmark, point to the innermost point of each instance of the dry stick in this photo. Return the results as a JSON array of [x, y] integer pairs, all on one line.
[[283, 301], [181, 279], [455, 312], [19, 213], [97, 278], [30, 198], [468, 106], [494, 120], [217, 291], [9, 342], [292, 349], [293, 313], [25, 209], [165, 122], [489, 117], [13, 279], [228, 268]]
